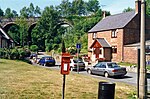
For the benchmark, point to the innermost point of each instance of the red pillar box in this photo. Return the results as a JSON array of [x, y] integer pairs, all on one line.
[[65, 63]]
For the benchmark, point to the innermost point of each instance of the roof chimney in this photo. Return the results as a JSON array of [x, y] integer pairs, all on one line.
[[104, 14], [137, 6]]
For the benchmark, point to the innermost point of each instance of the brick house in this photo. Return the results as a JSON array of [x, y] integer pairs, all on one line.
[[5, 40], [121, 34]]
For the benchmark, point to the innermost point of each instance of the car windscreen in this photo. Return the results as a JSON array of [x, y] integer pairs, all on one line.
[[112, 65]]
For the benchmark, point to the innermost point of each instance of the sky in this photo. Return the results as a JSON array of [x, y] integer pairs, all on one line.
[[114, 6]]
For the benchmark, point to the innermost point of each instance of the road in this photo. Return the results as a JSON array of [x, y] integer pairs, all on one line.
[[130, 77]]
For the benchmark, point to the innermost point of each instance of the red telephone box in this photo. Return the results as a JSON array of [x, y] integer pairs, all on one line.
[[65, 63]]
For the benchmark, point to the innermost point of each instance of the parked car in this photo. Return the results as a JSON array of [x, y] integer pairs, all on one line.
[[47, 60], [74, 64], [107, 69], [33, 55]]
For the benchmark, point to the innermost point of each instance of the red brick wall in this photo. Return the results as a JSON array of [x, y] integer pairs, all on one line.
[[130, 54], [112, 41]]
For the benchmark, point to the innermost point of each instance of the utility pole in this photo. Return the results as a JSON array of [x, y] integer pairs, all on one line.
[[142, 78]]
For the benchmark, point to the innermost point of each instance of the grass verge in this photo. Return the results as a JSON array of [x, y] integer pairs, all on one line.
[[19, 80]]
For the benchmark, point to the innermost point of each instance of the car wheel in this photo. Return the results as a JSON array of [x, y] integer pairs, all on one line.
[[106, 74], [89, 71]]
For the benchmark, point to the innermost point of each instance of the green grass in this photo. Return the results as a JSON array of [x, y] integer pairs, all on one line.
[[126, 64], [19, 80]]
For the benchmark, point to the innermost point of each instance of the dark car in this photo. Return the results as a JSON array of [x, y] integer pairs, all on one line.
[[47, 60], [107, 69], [33, 55]]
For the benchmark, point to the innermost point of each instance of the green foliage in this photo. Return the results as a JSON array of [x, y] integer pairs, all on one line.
[[15, 53], [1, 13], [72, 50], [30, 11], [128, 9], [148, 7], [92, 6], [126, 64], [45, 31], [132, 95], [8, 13], [63, 46], [34, 48], [13, 31], [23, 29]]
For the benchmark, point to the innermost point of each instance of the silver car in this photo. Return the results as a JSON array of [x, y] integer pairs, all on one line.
[[76, 64], [107, 69]]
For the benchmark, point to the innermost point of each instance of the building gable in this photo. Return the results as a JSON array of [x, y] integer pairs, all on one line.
[[100, 42]]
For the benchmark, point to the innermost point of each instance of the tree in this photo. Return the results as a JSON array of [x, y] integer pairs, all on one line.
[[13, 31], [24, 12], [8, 13], [34, 48], [128, 9], [148, 7], [14, 13], [92, 6], [63, 46], [23, 29], [31, 10], [65, 8], [1, 13], [79, 7], [45, 30], [37, 11]]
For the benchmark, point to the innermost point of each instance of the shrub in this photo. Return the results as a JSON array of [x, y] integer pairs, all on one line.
[[34, 48], [14, 54]]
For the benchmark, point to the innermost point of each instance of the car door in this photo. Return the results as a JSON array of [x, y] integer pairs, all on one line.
[[95, 70], [99, 69], [42, 60], [102, 69]]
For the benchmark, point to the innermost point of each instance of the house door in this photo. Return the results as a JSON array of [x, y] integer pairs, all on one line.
[[97, 52]]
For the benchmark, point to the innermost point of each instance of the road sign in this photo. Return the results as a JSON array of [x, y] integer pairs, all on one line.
[[78, 46]]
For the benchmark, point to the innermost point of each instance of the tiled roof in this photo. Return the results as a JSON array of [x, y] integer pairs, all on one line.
[[113, 22], [103, 42]]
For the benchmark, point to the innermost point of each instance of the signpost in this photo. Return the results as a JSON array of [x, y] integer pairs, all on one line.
[[78, 46]]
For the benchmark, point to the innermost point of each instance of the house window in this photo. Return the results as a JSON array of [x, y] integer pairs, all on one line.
[[114, 33], [94, 35], [114, 49]]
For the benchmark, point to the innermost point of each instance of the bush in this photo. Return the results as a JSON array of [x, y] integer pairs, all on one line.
[[34, 48], [15, 53]]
